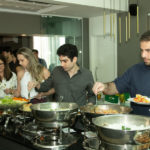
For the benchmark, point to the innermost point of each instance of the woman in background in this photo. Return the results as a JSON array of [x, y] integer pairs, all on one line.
[[32, 72], [8, 79]]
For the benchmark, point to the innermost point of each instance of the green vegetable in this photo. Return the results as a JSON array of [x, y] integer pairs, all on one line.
[[7, 100], [126, 128]]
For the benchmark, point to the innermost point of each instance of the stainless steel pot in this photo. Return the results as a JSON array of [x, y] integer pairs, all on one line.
[[90, 110], [107, 132], [54, 113]]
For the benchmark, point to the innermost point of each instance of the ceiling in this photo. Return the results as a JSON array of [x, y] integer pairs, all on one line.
[[49, 7]]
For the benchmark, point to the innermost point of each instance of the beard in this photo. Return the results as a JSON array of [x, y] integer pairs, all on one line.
[[147, 64]]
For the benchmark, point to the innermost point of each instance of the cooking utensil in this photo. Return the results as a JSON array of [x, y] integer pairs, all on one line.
[[60, 98], [51, 112], [28, 94], [96, 100], [89, 111], [109, 129]]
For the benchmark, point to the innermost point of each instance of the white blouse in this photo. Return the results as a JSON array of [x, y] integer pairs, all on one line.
[[24, 86], [11, 84]]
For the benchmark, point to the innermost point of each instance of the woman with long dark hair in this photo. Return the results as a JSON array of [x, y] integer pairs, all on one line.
[[8, 79]]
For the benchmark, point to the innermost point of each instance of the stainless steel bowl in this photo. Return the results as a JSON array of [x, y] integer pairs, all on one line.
[[107, 132], [105, 109], [53, 112]]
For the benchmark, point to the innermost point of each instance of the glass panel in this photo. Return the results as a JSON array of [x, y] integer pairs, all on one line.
[[47, 47], [59, 28]]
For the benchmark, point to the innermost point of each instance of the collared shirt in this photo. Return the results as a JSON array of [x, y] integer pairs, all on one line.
[[76, 89], [42, 62], [136, 80]]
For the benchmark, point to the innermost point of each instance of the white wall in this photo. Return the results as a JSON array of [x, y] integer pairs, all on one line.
[[103, 50], [12, 23], [129, 52], [117, 4]]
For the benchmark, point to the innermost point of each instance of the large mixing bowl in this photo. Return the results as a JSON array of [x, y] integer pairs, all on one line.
[[123, 129], [54, 114]]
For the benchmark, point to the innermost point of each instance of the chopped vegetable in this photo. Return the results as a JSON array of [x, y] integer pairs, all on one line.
[[9, 100], [141, 99], [20, 99], [125, 128]]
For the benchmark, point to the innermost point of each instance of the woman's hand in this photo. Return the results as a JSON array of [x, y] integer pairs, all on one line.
[[13, 92], [31, 85], [8, 91]]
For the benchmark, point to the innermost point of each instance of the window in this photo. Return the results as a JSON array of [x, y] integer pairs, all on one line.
[[47, 47]]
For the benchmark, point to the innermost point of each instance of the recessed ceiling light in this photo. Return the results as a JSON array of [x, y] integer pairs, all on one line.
[[23, 35]]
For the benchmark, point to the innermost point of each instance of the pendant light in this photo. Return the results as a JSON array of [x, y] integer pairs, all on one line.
[[111, 15], [104, 20], [114, 22], [129, 24], [126, 24], [137, 18], [120, 23]]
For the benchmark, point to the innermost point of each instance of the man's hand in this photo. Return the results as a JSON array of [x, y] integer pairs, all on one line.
[[107, 88], [98, 87], [40, 95], [89, 103]]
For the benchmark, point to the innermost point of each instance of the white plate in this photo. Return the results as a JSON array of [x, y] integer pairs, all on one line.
[[66, 130], [89, 134], [132, 100]]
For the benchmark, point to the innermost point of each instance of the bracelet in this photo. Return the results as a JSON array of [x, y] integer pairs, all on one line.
[[12, 92], [105, 86]]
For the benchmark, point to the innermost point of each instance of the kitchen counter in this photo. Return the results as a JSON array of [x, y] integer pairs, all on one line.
[[8, 144]]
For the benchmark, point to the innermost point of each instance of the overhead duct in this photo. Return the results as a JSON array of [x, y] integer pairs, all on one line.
[[36, 7]]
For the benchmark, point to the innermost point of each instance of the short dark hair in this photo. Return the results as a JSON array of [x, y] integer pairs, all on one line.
[[68, 50], [145, 36], [35, 51], [15, 52], [7, 49]]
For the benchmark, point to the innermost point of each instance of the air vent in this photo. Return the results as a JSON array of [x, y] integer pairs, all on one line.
[[34, 1], [37, 7]]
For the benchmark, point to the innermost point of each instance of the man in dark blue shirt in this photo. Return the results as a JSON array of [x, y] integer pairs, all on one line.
[[136, 80]]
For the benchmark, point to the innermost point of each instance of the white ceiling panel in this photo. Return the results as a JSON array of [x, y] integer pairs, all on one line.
[[49, 7]]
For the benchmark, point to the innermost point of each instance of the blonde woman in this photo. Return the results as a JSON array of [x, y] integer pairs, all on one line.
[[32, 72]]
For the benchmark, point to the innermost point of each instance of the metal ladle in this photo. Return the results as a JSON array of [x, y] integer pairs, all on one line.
[[29, 95], [60, 98]]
